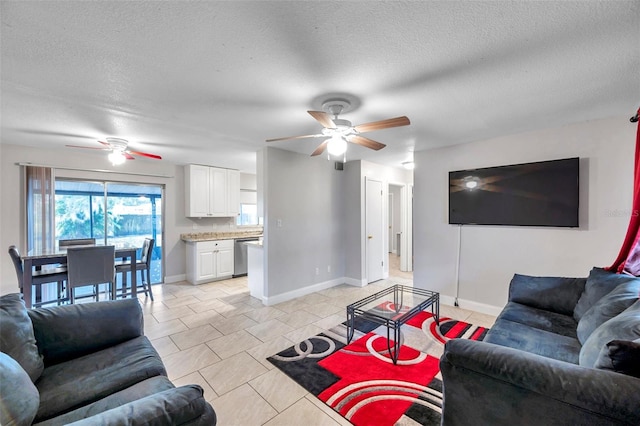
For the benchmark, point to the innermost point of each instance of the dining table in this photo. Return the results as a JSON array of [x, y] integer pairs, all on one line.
[[58, 255]]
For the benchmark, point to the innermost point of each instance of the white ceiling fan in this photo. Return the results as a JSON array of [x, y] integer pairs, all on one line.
[[119, 150], [338, 131]]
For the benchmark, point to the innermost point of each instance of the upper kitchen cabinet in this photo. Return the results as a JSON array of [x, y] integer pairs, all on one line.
[[211, 191]]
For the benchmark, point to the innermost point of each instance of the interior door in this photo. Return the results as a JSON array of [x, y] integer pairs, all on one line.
[[374, 225]]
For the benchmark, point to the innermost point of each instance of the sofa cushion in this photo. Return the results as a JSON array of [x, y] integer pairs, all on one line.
[[625, 326], [69, 385], [19, 398], [553, 322], [553, 294], [183, 405], [608, 307], [599, 283], [67, 332], [139, 390], [519, 336], [16, 335], [621, 356]]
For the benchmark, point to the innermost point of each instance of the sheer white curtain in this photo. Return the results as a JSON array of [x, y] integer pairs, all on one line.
[[40, 208]]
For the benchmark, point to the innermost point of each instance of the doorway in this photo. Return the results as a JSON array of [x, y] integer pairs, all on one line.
[[400, 226], [374, 225], [111, 213]]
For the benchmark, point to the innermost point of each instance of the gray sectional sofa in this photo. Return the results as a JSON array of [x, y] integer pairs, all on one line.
[[87, 364], [563, 351]]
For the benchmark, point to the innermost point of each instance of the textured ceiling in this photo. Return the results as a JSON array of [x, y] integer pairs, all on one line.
[[208, 82]]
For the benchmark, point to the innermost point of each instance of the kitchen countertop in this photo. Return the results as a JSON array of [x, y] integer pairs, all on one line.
[[213, 236]]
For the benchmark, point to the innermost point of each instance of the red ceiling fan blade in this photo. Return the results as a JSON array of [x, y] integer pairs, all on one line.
[[144, 154], [369, 143], [383, 124], [105, 143], [88, 147], [128, 156], [294, 137], [320, 149], [323, 118]]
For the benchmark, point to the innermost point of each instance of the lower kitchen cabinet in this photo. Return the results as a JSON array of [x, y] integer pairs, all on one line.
[[209, 261]]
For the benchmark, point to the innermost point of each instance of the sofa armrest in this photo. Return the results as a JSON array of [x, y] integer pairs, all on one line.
[[71, 331], [180, 406], [491, 384], [555, 294]]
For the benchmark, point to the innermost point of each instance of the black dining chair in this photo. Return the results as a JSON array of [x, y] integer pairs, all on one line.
[[143, 265], [77, 242], [39, 277], [90, 265]]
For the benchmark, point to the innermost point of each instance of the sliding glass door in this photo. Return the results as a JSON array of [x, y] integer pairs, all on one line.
[[111, 213]]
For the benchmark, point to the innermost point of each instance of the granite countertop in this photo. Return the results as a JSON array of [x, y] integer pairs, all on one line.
[[223, 235]]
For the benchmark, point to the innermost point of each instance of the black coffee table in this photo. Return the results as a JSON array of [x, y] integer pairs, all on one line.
[[393, 307]]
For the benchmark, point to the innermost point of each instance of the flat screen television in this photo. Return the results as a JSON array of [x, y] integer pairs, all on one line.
[[532, 194]]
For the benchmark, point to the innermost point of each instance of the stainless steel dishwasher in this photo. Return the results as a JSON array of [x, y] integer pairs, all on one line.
[[240, 256]]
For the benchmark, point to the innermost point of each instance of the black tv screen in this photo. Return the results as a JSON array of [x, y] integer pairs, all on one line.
[[533, 194]]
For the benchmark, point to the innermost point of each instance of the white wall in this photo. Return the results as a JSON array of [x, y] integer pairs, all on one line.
[[304, 195], [12, 225], [490, 255]]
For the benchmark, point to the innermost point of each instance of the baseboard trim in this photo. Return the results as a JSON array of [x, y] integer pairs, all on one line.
[[175, 278], [299, 292], [471, 305], [355, 282]]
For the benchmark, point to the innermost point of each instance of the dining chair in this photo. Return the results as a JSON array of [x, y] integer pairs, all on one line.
[[39, 277], [91, 265], [143, 265], [77, 242]]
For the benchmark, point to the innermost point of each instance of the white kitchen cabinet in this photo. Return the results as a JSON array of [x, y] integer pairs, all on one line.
[[211, 191], [209, 260]]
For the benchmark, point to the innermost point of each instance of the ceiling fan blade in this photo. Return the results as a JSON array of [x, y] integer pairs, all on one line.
[[320, 149], [323, 118], [144, 154], [383, 124], [88, 147], [105, 143], [128, 156], [294, 137], [369, 143]]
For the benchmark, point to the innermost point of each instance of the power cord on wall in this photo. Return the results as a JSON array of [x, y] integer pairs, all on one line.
[[455, 302]]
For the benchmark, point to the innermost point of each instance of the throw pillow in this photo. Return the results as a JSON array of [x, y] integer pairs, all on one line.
[[608, 307], [599, 283], [555, 294], [16, 335], [621, 356], [625, 326], [19, 398]]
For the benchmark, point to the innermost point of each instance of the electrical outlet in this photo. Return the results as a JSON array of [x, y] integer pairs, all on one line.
[[317, 271], [329, 268], [279, 223], [195, 226]]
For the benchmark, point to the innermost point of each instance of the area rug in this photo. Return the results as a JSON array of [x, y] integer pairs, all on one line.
[[360, 381]]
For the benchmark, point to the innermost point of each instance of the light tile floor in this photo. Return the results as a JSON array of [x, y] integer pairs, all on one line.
[[218, 336]]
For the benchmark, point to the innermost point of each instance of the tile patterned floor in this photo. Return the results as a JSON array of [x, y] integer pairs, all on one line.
[[218, 336]]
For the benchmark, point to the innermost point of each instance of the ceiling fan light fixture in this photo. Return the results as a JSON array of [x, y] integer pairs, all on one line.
[[409, 165], [337, 145], [117, 158]]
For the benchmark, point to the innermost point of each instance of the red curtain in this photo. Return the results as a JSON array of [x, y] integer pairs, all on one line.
[[628, 259]]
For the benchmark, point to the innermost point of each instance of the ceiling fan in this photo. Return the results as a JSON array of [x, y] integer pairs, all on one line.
[[339, 131], [119, 152]]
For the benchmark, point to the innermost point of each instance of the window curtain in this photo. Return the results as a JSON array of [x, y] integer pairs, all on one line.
[[628, 260], [40, 208]]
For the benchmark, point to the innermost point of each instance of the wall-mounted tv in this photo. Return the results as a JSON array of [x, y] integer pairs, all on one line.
[[532, 194]]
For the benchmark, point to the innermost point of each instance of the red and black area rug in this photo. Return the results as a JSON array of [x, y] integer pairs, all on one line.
[[360, 381]]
